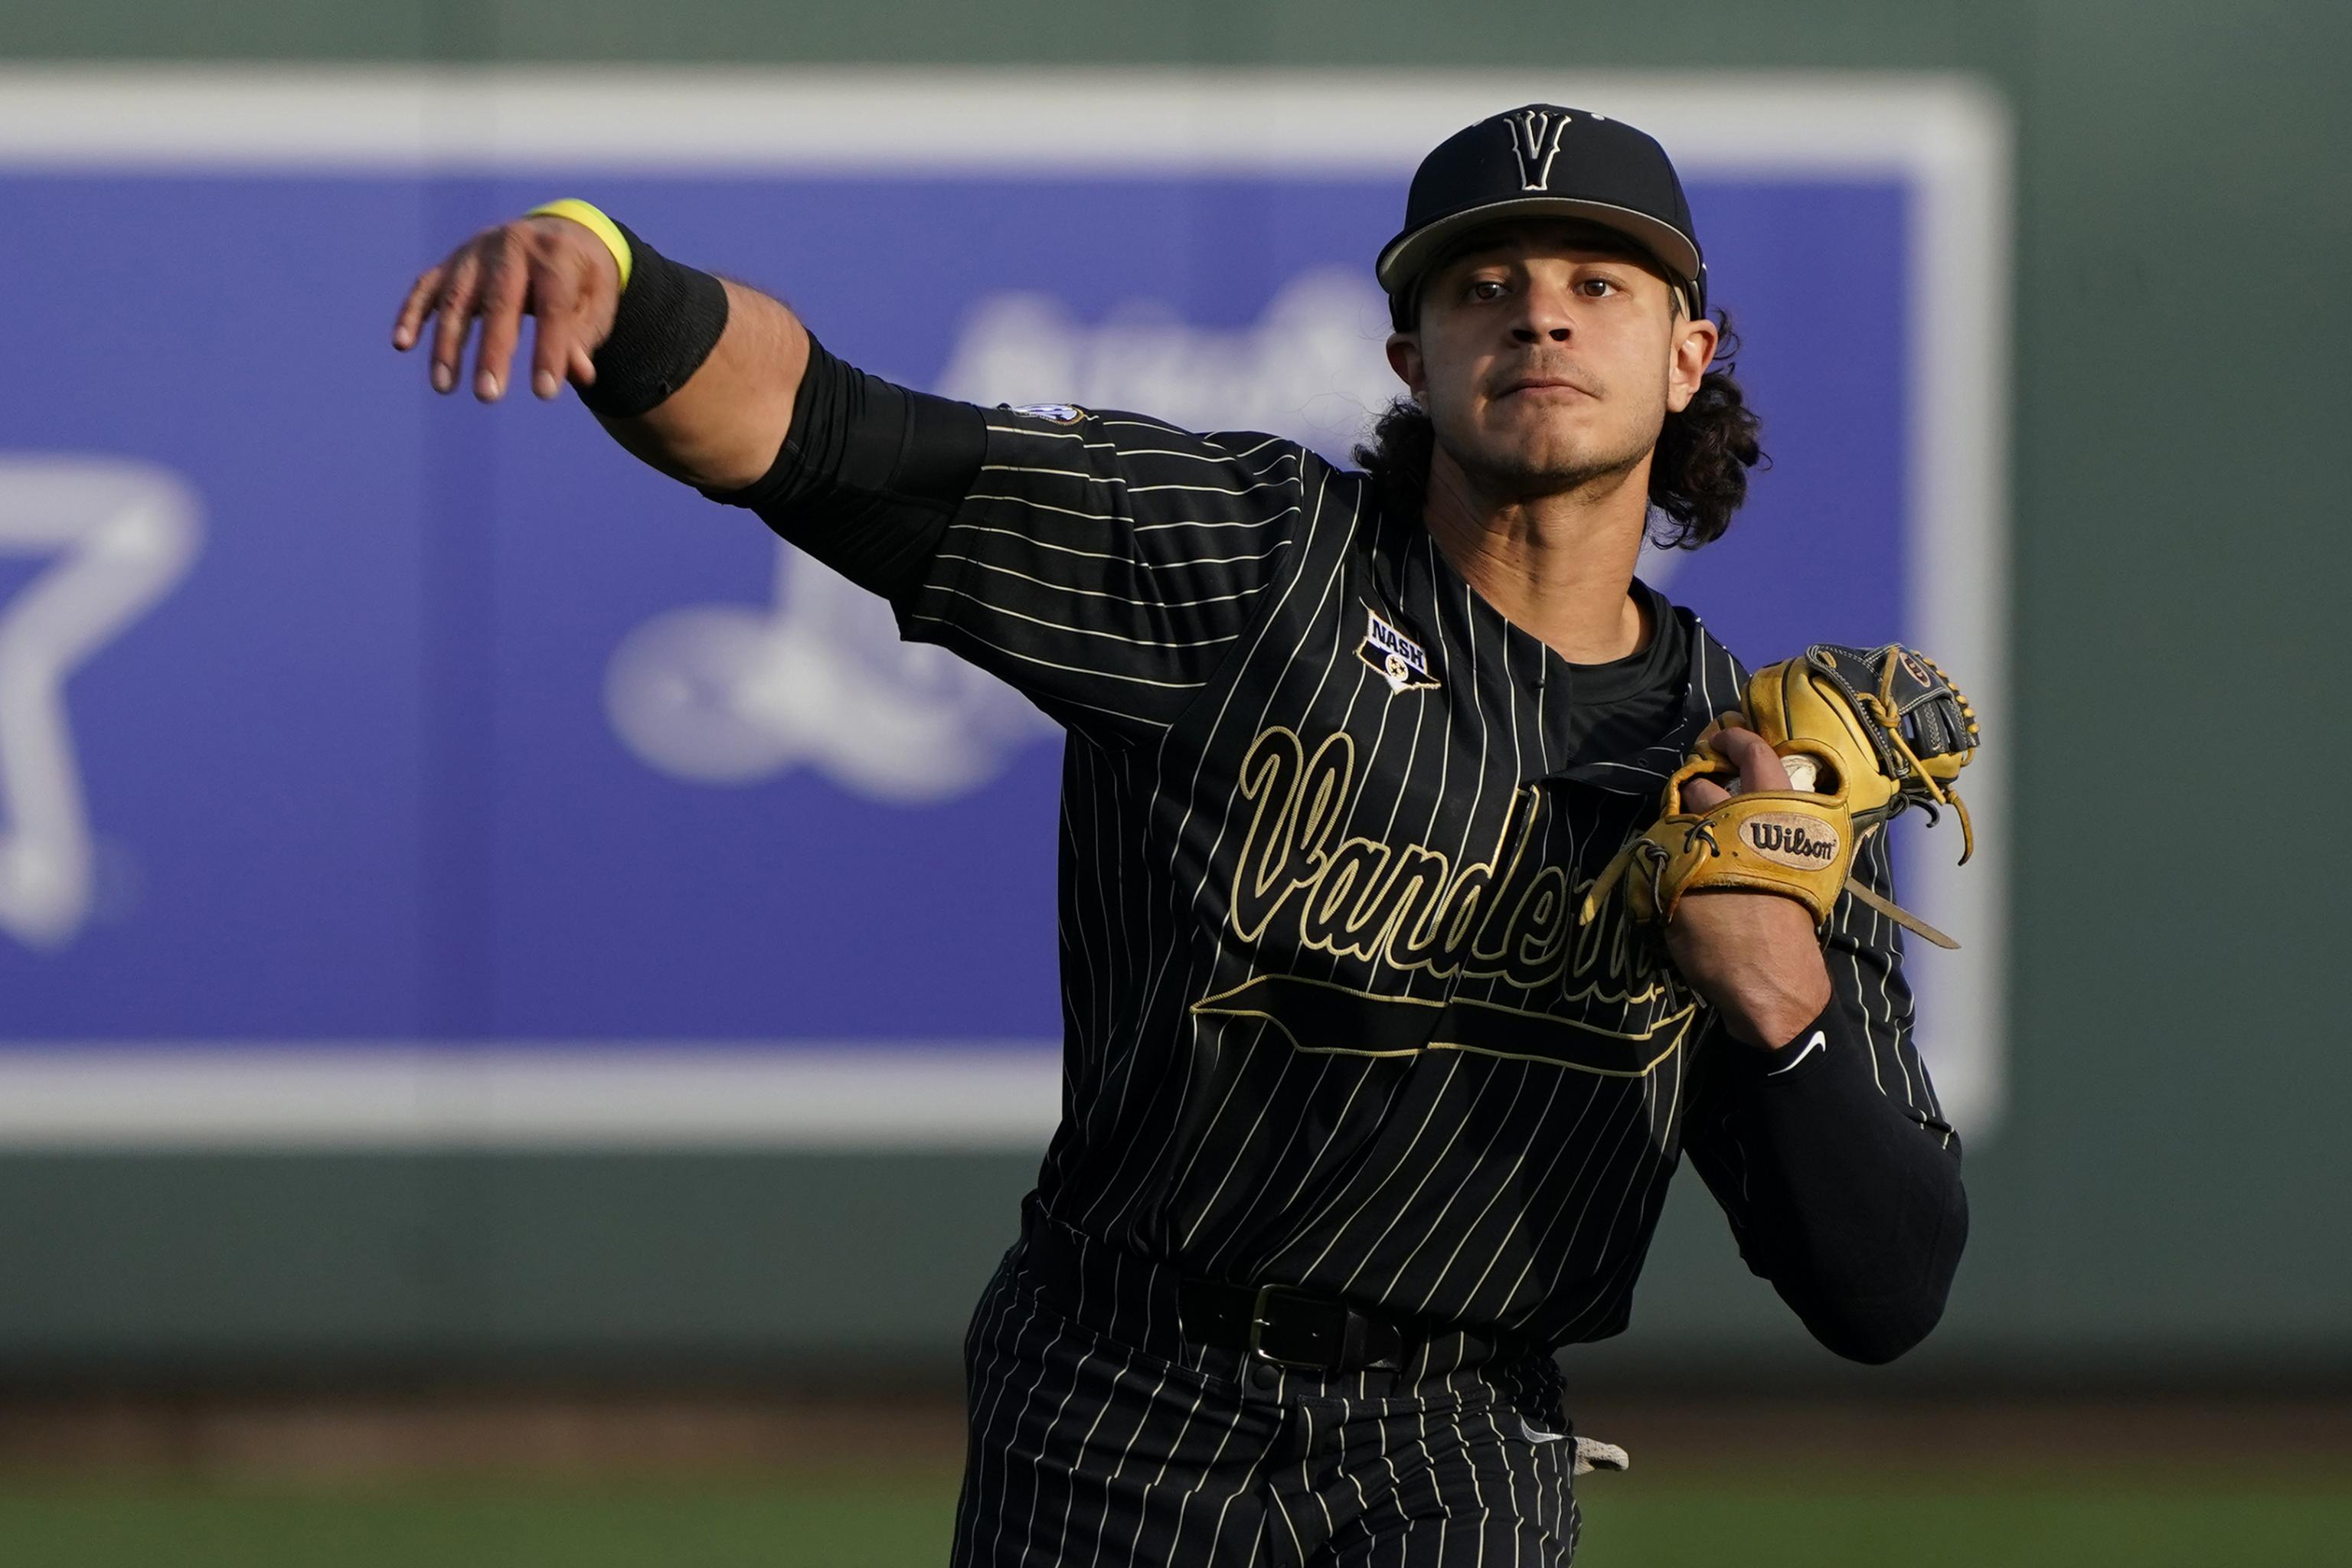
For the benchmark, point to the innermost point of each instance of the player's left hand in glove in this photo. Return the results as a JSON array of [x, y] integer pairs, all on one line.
[[1862, 735]]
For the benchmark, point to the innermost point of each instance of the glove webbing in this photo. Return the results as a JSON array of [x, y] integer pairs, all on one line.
[[1880, 706]]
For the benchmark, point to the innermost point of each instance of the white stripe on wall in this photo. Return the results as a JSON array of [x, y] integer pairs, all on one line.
[[627, 1094], [942, 121]]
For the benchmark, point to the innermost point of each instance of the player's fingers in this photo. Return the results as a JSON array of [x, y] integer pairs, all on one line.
[[545, 347], [412, 310], [556, 302], [506, 284], [1759, 766], [1703, 795], [453, 319]]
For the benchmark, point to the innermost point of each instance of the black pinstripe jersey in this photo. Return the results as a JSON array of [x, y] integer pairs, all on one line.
[[1326, 817]]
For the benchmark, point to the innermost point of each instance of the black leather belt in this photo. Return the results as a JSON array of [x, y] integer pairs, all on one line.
[[1277, 1323], [1288, 1327]]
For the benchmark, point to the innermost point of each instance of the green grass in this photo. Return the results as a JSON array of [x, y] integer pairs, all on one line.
[[1755, 1520], [460, 1524], [1982, 1520]]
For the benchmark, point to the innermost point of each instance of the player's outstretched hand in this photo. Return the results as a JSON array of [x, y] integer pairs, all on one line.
[[550, 267], [1754, 955]]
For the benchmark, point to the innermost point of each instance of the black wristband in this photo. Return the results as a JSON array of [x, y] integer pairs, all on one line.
[[669, 320]]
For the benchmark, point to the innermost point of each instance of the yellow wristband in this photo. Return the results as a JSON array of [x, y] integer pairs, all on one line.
[[593, 220]]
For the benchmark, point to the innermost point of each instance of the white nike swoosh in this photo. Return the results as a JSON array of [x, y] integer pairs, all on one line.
[[1820, 1041]]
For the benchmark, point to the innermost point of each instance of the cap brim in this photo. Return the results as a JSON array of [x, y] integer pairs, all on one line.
[[1408, 254]]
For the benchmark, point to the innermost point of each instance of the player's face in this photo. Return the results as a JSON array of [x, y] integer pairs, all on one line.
[[1546, 356]]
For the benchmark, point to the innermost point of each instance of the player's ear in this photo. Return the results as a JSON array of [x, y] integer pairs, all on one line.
[[1404, 358], [1694, 341]]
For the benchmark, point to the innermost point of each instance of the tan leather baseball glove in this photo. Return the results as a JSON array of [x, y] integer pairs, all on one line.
[[1864, 735]]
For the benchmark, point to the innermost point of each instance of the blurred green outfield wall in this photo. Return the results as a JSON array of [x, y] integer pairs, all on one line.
[[2172, 1194]]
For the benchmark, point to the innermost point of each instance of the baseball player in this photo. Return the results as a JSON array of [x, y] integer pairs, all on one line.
[[1361, 1120]]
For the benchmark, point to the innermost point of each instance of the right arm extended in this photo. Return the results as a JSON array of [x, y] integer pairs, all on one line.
[[1105, 565], [721, 429]]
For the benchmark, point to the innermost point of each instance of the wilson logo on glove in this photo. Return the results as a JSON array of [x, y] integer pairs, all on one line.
[[1790, 840]]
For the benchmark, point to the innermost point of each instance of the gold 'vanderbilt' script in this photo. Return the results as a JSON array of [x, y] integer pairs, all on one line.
[[1508, 916]]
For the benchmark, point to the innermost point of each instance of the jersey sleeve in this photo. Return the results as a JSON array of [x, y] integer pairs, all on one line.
[[1830, 1157], [1106, 564]]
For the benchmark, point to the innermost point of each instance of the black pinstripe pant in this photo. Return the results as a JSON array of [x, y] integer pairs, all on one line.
[[1100, 1437]]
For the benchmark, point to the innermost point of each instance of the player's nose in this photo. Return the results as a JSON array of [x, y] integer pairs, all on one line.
[[1546, 315]]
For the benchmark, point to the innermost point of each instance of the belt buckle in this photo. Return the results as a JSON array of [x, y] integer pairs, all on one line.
[[1258, 1324]]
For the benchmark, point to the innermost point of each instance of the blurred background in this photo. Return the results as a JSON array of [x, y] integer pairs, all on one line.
[[525, 1016]]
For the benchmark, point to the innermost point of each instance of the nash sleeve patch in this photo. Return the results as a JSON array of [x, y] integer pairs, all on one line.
[[1059, 413], [1397, 657]]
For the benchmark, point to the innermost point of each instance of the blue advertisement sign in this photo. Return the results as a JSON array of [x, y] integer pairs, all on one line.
[[338, 719]]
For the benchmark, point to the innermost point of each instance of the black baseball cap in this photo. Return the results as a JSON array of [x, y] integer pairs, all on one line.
[[1543, 161]]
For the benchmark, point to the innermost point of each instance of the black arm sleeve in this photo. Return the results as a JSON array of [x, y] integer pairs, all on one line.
[[1840, 1176], [868, 474]]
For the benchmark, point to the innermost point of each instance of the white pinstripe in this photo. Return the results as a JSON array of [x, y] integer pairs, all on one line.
[[1187, 563], [1127, 599]]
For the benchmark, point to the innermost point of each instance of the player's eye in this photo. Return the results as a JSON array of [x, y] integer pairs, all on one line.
[[1487, 288], [1597, 288]]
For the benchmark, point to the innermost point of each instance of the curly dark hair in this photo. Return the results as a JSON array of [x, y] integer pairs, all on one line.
[[1699, 473]]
